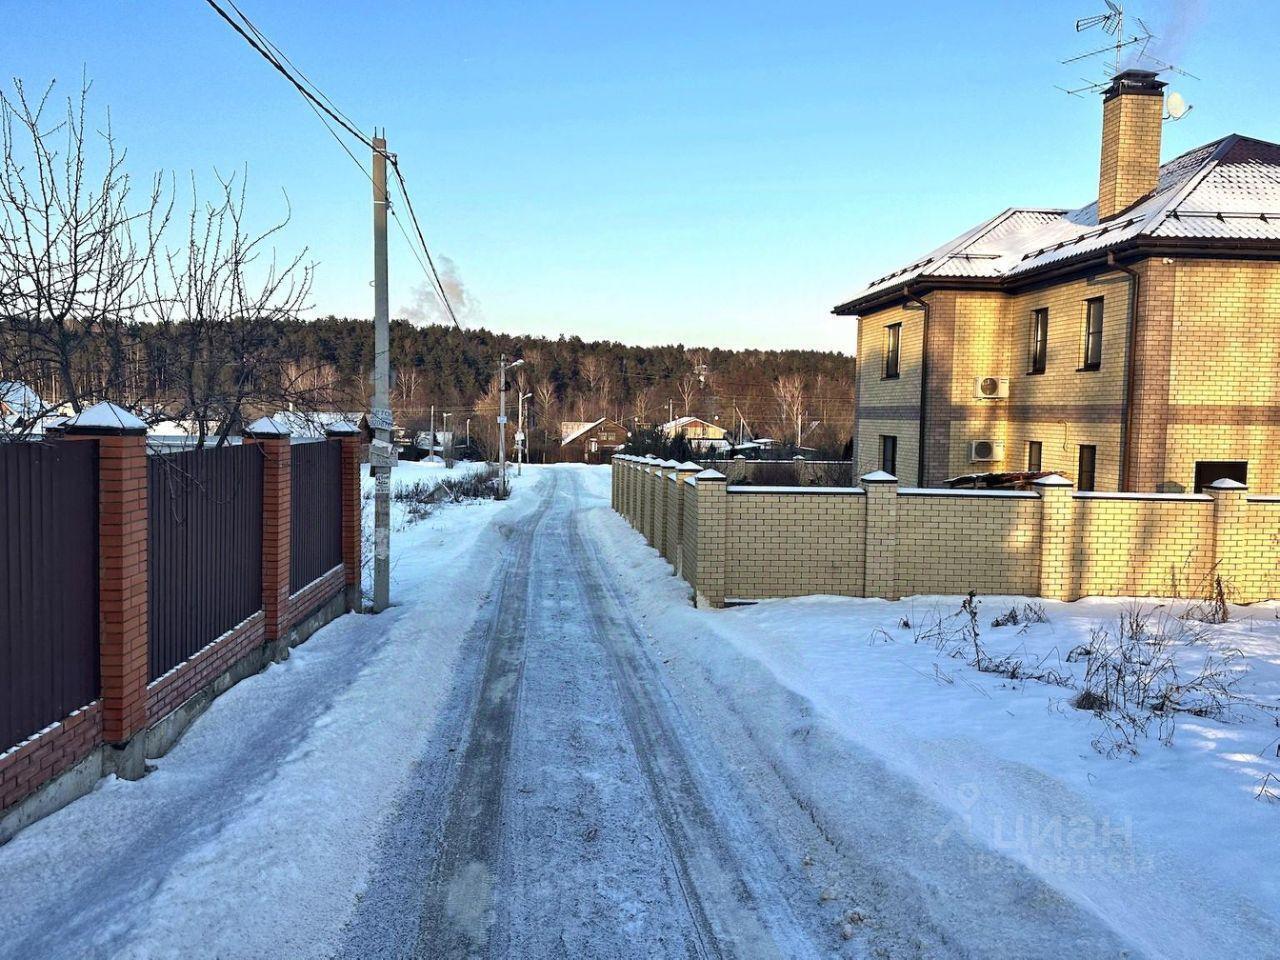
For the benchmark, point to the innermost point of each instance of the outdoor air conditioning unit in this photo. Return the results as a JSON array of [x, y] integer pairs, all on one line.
[[981, 450], [990, 388]]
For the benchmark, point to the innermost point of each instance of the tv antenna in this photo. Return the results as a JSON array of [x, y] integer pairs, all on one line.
[[1131, 46]]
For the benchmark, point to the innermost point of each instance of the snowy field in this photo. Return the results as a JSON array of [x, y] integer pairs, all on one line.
[[1168, 842]]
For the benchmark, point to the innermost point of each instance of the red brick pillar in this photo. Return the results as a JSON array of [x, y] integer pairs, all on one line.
[[123, 638], [273, 438], [349, 437]]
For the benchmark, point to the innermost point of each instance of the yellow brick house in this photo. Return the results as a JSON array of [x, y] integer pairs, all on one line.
[[1130, 344]]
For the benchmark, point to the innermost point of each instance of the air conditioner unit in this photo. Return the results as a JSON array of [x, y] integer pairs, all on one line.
[[990, 388], [982, 450]]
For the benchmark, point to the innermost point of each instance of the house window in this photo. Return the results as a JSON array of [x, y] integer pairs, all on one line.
[[1034, 456], [1209, 472], [1086, 474], [1039, 340], [889, 454], [1092, 334], [892, 350]]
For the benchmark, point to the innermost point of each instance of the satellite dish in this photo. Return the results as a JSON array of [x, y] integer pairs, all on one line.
[[1176, 106]]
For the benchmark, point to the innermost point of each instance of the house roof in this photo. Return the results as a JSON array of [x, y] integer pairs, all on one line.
[[681, 422], [316, 422], [585, 428], [1227, 191], [21, 400]]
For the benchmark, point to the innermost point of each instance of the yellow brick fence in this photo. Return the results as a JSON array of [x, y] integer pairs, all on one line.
[[882, 540]]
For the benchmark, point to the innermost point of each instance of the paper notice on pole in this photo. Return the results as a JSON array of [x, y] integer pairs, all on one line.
[[502, 420], [519, 436], [380, 418]]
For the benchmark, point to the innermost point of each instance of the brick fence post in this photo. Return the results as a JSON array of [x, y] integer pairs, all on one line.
[[628, 488], [712, 524], [675, 531], [629, 493], [1057, 537], [880, 570], [123, 637], [1230, 540], [662, 494], [348, 435], [277, 489]]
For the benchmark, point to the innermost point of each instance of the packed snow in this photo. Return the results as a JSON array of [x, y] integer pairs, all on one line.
[[252, 837], [1175, 845], [846, 757]]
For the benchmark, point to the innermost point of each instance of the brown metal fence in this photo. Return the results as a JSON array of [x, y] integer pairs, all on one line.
[[48, 584], [316, 505], [205, 541]]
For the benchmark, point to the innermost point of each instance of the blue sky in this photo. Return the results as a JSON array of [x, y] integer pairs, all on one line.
[[709, 173]]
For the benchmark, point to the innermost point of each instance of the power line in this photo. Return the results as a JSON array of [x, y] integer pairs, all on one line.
[[323, 106], [287, 75], [404, 192]]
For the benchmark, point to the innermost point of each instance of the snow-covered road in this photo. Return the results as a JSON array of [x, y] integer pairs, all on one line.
[[541, 751]]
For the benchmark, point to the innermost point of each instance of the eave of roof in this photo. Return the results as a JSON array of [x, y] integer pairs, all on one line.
[[1152, 225]]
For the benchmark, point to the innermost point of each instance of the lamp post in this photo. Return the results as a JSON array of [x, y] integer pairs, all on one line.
[[503, 367], [520, 442], [445, 417]]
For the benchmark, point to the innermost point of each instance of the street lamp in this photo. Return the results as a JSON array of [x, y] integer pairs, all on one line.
[[503, 367], [520, 443]]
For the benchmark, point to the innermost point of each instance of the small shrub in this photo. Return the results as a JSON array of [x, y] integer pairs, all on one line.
[[1132, 680]]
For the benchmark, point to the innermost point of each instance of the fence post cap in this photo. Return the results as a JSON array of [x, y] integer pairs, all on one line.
[[710, 475], [668, 464], [1226, 483], [879, 476], [687, 465], [1052, 480], [266, 428], [340, 428], [799, 457], [108, 419]]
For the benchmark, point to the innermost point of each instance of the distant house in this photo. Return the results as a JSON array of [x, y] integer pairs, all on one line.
[[594, 442], [20, 406], [702, 435]]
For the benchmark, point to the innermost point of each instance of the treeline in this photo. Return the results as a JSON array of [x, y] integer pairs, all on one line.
[[785, 394]]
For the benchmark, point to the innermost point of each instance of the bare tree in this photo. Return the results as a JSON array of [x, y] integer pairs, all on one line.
[[408, 381], [219, 301], [790, 393], [75, 246], [688, 387]]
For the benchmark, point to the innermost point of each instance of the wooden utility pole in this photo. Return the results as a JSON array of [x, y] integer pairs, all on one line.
[[381, 453]]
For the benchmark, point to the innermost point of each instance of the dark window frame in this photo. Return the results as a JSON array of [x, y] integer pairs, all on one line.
[[1087, 477], [1035, 456], [1222, 468], [1039, 358], [889, 453], [892, 351], [1091, 346]]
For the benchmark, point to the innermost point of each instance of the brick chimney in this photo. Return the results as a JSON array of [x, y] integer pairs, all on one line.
[[1132, 115]]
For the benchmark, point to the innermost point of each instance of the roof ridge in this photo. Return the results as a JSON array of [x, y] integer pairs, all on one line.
[[1179, 194]]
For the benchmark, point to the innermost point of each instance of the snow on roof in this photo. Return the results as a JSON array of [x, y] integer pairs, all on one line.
[[21, 400], [679, 422], [267, 427], [569, 438], [106, 416], [313, 423], [1225, 190]]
